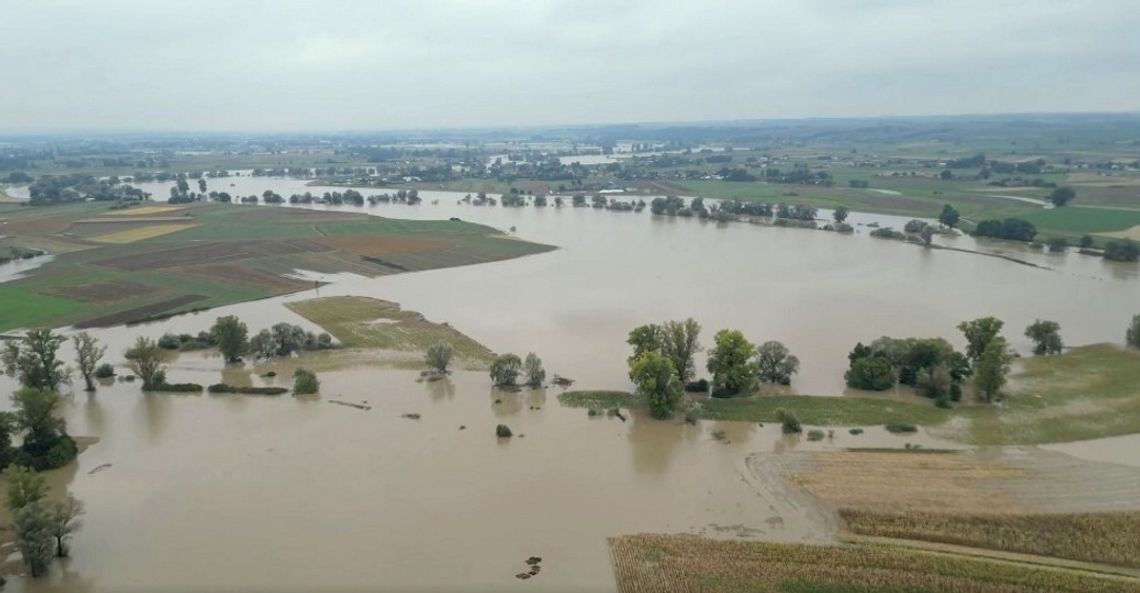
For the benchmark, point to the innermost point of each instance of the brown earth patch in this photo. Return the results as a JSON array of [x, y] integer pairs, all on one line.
[[142, 313], [248, 276], [102, 292], [377, 245], [212, 252]]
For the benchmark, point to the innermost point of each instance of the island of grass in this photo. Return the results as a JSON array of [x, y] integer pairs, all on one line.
[[111, 268], [363, 322], [1088, 392]]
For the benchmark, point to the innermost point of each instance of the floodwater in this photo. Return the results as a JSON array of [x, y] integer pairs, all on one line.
[[298, 494]]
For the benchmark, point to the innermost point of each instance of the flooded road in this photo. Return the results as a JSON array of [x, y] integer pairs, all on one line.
[[293, 494]]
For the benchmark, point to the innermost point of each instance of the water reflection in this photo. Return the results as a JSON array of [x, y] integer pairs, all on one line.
[[440, 389]]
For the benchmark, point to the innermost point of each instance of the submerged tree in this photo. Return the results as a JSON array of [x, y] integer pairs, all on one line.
[[657, 382], [775, 363], [33, 360], [840, 214], [730, 362], [34, 537], [949, 216], [24, 487], [88, 353], [535, 374], [145, 359], [438, 356], [232, 337], [46, 442], [305, 382], [1062, 196], [505, 369], [1047, 337], [63, 520]]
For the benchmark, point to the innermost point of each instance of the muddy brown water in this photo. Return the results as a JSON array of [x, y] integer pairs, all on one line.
[[285, 494]]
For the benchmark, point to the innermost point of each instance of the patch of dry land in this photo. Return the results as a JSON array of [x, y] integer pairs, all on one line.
[[367, 323]]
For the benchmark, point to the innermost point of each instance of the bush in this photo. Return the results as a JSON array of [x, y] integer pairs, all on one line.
[[698, 386], [169, 342], [856, 431], [104, 371], [815, 434], [789, 422], [178, 387], [305, 382], [873, 373], [1058, 245], [503, 431], [223, 388], [899, 427], [843, 227], [45, 455], [887, 233]]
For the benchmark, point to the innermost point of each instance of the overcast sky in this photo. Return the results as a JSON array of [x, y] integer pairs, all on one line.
[[340, 65]]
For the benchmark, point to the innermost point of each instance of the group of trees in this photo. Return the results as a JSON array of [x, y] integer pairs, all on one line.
[[42, 526], [662, 365], [1011, 229], [506, 368]]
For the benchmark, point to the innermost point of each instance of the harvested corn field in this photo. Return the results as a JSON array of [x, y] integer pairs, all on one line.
[[683, 564]]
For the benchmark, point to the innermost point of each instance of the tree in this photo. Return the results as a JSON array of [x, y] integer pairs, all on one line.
[[505, 369], [927, 235], [991, 369], [63, 520], [873, 373], [88, 353], [262, 345], [33, 360], [1086, 241], [24, 487], [305, 382], [644, 338], [145, 359], [934, 382], [979, 333], [730, 362], [46, 442], [775, 364], [1047, 335], [34, 537], [1062, 196], [232, 337], [1132, 335], [840, 214], [657, 382], [679, 342], [535, 374], [949, 216], [439, 356]]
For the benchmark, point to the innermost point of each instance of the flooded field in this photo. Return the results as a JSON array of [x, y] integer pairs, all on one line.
[[297, 494]]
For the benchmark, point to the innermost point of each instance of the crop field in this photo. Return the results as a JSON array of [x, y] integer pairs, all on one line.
[[141, 233], [217, 254], [362, 322], [684, 563]]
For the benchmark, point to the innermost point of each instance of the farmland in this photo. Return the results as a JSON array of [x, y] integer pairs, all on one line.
[[678, 563], [112, 269]]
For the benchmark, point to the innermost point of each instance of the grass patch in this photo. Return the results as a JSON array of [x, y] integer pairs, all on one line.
[[1077, 220], [142, 233], [1088, 392], [682, 563], [823, 411], [600, 399], [1108, 538], [362, 322]]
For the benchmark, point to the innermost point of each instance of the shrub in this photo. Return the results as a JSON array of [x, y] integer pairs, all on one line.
[[789, 422], [104, 371], [439, 356], [177, 387], [899, 427], [505, 369], [815, 434], [856, 431], [1058, 245], [873, 373], [1132, 335], [698, 386], [843, 227], [223, 388], [305, 382], [169, 342], [887, 233], [503, 431]]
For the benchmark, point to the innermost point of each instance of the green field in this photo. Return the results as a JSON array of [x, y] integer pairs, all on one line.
[[1088, 392], [232, 254]]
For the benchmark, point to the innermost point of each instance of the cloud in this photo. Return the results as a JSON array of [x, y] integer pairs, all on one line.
[[305, 65]]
